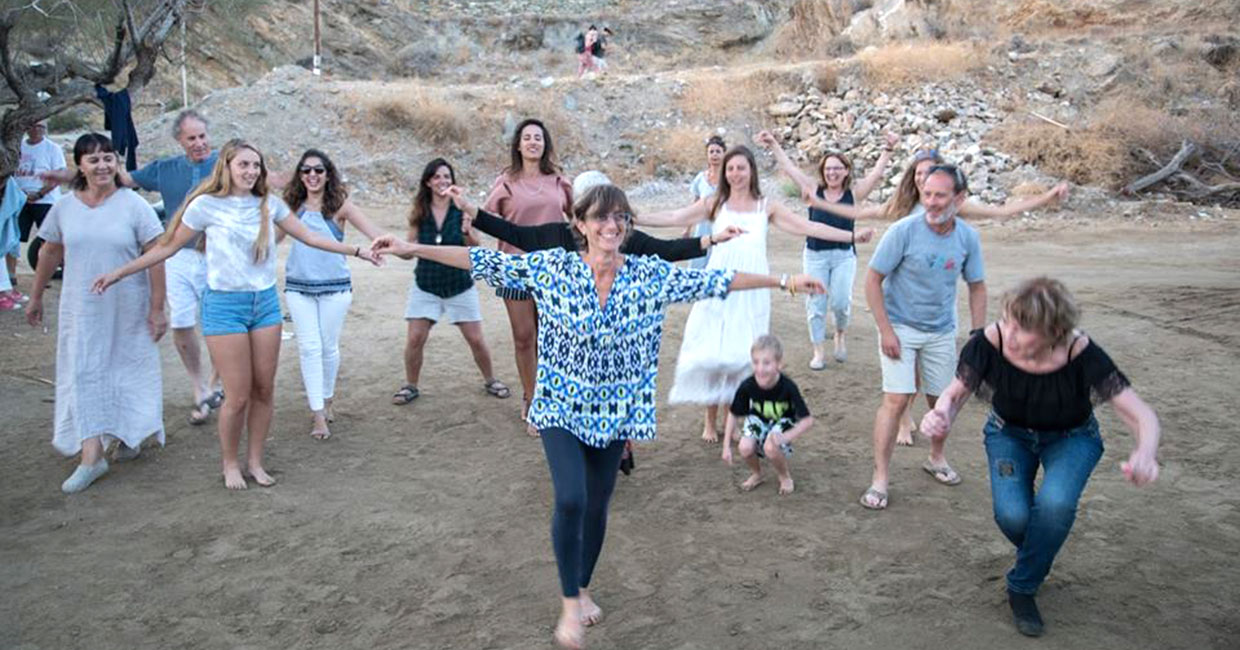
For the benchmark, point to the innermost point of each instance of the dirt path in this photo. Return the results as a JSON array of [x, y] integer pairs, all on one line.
[[426, 526]]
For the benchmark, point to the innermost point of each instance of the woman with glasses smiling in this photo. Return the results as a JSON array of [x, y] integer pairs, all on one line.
[[317, 284], [835, 263], [600, 322]]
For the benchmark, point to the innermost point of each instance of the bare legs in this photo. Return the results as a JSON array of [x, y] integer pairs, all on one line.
[[886, 422], [472, 331], [415, 345], [523, 318], [186, 341], [710, 433], [247, 365]]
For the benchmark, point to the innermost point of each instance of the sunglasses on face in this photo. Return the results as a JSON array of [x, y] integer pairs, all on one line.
[[306, 169], [622, 218]]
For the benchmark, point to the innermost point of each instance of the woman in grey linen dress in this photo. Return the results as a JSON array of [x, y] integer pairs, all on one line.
[[108, 381]]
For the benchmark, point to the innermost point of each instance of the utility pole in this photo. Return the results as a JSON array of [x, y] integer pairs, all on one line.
[[318, 45]]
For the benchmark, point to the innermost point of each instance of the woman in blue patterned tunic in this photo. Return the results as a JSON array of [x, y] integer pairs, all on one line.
[[599, 327]]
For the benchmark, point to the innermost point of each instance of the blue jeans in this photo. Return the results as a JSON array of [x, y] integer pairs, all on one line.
[[836, 267], [1038, 523], [583, 478]]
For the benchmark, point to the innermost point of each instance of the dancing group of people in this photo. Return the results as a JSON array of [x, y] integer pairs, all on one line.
[[585, 294]]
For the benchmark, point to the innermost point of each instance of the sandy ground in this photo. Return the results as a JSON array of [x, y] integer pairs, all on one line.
[[426, 526]]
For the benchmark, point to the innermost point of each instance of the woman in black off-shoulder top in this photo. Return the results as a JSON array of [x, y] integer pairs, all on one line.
[[1042, 378]]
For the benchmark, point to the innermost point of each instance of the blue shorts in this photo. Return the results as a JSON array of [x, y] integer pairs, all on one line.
[[239, 312]]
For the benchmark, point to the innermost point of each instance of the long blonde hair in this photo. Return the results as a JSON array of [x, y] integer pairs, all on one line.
[[219, 184], [907, 194]]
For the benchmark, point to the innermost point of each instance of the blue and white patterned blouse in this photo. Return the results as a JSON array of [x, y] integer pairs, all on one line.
[[597, 366]]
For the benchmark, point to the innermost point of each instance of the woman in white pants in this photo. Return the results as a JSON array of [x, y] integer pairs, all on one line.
[[317, 285]]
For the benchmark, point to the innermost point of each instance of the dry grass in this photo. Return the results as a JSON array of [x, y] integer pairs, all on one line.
[[1114, 145], [714, 96], [422, 115], [681, 148], [826, 78], [899, 65]]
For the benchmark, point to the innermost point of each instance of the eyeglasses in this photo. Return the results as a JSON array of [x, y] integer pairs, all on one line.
[[830, 170], [306, 169], [622, 218], [926, 154]]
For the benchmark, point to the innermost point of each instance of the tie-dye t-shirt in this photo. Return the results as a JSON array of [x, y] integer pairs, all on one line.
[[232, 224], [921, 268]]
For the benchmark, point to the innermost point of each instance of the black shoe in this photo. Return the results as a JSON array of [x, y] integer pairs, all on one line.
[[1025, 614], [626, 463]]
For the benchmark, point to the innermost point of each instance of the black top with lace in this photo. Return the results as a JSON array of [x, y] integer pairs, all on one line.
[[1054, 401]]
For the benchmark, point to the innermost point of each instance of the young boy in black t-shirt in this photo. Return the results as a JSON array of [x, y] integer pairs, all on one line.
[[771, 413]]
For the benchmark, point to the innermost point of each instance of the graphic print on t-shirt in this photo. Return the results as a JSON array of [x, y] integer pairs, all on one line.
[[769, 410]]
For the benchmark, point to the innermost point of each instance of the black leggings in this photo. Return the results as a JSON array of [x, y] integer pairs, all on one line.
[[583, 477]]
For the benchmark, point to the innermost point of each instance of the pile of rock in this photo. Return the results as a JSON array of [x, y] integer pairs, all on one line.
[[951, 118]]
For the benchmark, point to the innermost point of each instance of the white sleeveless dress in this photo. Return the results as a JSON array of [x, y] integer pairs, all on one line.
[[714, 355]]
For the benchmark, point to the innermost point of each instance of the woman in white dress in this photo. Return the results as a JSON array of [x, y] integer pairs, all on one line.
[[240, 310], [714, 355], [108, 381]]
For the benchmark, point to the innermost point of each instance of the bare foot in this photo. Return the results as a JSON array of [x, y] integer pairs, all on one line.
[[260, 476], [233, 479], [569, 632], [904, 437], [709, 434], [591, 613], [785, 485], [752, 482]]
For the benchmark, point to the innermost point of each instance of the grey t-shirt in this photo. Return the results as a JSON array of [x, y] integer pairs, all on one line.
[[174, 178], [921, 267]]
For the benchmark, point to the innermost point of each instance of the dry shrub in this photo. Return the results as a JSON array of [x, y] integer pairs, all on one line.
[[681, 148], [1085, 157], [812, 29], [425, 116], [898, 65], [714, 96], [826, 78]]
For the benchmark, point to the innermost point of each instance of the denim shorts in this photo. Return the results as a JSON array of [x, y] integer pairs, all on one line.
[[239, 312]]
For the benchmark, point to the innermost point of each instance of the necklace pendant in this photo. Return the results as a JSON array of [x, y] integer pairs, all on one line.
[[438, 239]]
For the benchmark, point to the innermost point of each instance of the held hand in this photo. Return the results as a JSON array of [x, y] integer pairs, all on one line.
[[1059, 193], [34, 311], [1141, 468], [864, 235], [157, 323], [390, 244], [371, 256], [727, 453], [890, 344], [935, 424], [731, 232], [467, 225], [807, 284], [457, 194], [892, 138], [766, 139], [104, 281]]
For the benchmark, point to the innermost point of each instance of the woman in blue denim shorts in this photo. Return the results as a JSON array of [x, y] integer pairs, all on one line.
[[240, 310], [1042, 378]]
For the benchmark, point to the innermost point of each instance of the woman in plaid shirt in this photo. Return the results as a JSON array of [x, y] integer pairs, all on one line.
[[600, 325]]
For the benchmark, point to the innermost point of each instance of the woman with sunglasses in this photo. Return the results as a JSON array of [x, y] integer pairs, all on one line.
[[241, 311], [600, 325], [714, 354], [439, 291], [835, 263], [318, 287], [530, 191]]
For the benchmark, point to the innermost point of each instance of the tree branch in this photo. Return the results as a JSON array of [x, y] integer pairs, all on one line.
[[1186, 150]]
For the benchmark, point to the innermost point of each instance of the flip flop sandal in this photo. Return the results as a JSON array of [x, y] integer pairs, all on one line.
[[945, 474], [406, 394], [203, 407], [880, 499], [321, 434], [216, 399], [498, 389]]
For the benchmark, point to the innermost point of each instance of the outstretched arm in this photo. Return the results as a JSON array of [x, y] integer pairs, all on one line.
[[454, 256], [154, 255], [854, 212], [675, 250], [355, 216], [862, 188], [794, 284], [1011, 208], [527, 238], [298, 230], [685, 216], [806, 182], [782, 218]]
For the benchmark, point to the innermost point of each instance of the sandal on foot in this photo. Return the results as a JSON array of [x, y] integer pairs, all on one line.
[[497, 388], [204, 407], [216, 399], [406, 394], [879, 499], [320, 434], [943, 474]]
